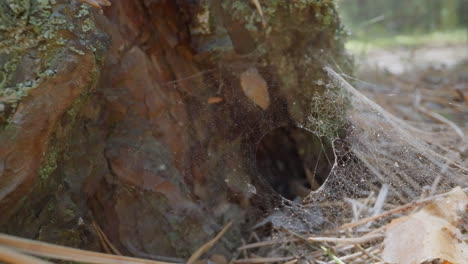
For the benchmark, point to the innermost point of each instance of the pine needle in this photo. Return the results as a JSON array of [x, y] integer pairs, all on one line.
[[8, 255], [332, 256], [197, 254], [47, 250]]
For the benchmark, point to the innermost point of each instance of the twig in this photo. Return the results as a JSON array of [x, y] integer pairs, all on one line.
[[197, 254], [347, 240]]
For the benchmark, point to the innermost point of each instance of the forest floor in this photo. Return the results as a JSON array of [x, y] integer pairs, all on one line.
[[394, 77]]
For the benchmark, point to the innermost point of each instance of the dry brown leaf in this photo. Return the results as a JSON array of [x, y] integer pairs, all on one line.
[[451, 208], [429, 234], [255, 87], [96, 3]]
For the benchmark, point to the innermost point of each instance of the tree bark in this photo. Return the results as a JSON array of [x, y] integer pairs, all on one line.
[[145, 118]]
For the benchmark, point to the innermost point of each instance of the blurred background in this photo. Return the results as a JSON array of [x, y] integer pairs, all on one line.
[[381, 23], [411, 57]]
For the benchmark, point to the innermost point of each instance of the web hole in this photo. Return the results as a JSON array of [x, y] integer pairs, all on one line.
[[294, 161]]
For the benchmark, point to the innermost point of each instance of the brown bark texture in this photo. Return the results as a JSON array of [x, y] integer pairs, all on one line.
[[145, 117]]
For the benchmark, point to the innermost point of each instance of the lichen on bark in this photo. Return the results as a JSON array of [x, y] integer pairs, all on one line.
[[33, 36], [50, 66]]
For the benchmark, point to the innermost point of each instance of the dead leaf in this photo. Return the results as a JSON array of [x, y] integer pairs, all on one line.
[[96, 3], [450, 208], [429, 234], [255, 87]]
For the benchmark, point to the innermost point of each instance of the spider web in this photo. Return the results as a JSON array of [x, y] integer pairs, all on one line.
[[379, 153]]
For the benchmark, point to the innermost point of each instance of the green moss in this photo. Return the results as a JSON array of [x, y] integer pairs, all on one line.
[[49, 213], [283, 20], [49, 163], [56, 150]]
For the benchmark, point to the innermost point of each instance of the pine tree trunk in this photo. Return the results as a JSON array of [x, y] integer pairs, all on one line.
[[145, 118]]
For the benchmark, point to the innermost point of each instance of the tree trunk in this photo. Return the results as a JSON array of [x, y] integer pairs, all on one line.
[[145, 118]]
